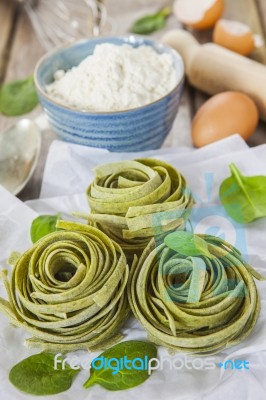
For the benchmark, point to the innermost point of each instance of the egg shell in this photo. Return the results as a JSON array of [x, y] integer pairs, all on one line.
[[223, 115], [198, 14], [242, 44], [211, 16]]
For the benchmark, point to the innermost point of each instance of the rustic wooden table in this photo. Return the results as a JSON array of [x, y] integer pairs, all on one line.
[[20, 50]]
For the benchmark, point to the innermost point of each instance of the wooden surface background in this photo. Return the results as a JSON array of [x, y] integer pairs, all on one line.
[[20, 49]]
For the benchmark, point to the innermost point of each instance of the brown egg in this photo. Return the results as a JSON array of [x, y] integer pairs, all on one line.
[[223, 115], [198, 14], [236, 36]]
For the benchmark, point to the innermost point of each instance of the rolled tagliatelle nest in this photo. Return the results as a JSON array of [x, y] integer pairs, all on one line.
[[135, 201], [193, 304], [68, 290]]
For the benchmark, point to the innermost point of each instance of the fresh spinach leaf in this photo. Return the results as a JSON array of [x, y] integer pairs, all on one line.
[[131, 374], [151, 23], [18, 97], [243, 197], [42, 226], [187, 244], [36, 375]]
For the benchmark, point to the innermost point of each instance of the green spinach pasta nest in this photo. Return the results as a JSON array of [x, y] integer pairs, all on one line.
[[135, 201], [68, 290], [196, 304]]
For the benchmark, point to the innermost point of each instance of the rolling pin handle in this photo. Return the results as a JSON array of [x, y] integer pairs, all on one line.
[[183, 42], [214, 69]]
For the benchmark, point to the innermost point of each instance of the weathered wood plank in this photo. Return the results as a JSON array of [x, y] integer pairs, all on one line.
[[25, 52], [259, 137], [245, 11], [262, 13], [23, 56], [7, 14], [248, 12]]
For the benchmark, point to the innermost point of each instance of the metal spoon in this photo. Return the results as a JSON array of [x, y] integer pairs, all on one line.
[[20, 147]]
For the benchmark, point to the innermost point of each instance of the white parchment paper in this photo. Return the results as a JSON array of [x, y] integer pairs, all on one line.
[[67, 174]]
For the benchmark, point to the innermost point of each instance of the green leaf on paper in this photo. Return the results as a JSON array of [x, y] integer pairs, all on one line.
[[120, 379], [243, 197], [18, 97], [187, 244], [37, 376], [151, 23], [43, 225]]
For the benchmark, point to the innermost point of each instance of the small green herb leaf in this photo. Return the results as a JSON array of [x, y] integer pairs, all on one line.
[[42, 226], [36, 375], [105, 369], [151, 23], [244, 198], [187, 244], [18, 97]]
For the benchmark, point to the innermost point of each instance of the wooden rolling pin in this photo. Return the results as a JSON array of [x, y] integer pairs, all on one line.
[[214, 69]]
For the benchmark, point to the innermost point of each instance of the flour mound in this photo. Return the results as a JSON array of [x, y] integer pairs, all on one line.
[[115, 78]]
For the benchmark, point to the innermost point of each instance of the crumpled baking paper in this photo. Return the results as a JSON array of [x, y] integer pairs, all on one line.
[[66, 177]]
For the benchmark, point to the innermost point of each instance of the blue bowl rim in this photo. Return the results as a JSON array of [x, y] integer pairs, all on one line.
[[128, 39]]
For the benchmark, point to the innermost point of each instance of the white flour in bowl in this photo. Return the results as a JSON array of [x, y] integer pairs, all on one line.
[[115, 78]]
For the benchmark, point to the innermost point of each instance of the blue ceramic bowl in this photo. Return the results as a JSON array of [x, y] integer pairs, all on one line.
[[143, 128]]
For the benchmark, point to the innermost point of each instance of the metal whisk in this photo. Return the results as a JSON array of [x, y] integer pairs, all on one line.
[[59, 21]]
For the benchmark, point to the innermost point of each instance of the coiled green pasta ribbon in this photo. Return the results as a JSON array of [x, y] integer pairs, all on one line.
[[68, 290], [135, 201], [194, 304]]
